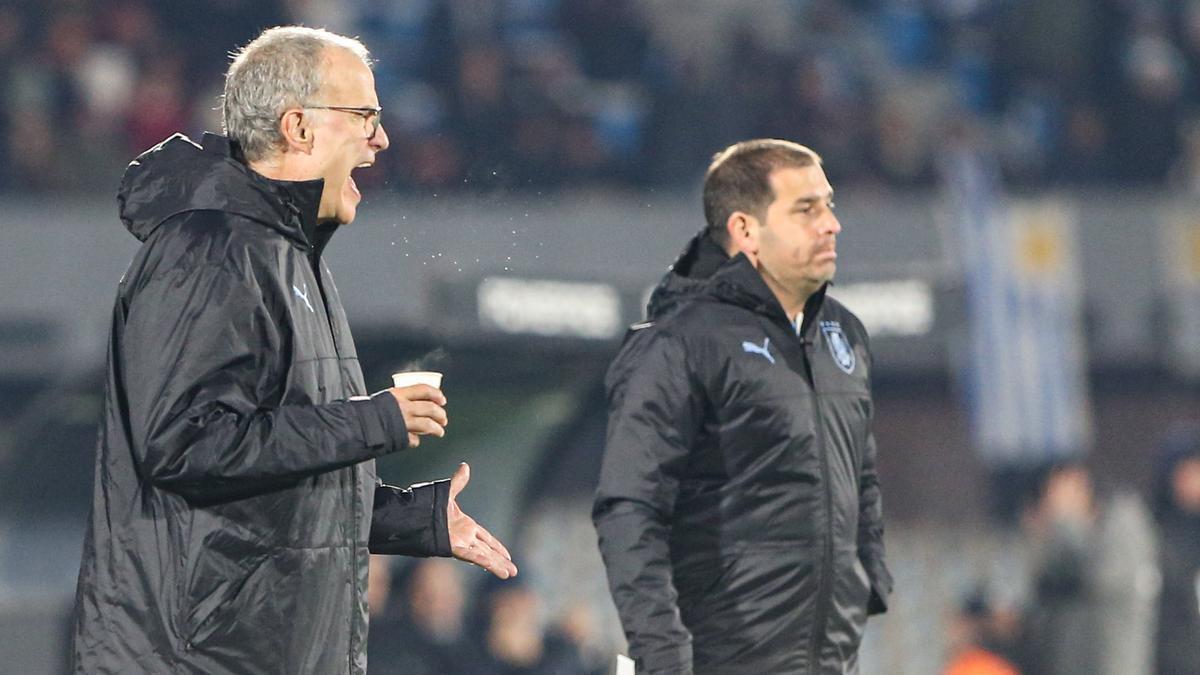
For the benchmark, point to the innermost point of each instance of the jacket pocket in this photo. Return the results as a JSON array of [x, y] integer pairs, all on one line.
[[754, 600], [215, 583]]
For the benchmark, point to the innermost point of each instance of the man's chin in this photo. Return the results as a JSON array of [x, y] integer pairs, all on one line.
[[346, 212]]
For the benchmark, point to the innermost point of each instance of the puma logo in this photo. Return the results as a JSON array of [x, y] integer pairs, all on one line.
[[763, 351], [304, 296]]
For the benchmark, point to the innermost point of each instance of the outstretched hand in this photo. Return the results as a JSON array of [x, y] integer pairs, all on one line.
[[469, 542]]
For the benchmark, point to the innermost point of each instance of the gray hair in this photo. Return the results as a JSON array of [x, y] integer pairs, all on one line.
[[278, 70]]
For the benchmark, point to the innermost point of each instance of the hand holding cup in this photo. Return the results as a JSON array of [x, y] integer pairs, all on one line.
[[422, 403]]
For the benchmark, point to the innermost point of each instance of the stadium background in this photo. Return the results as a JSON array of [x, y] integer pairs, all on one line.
[[544, 169]]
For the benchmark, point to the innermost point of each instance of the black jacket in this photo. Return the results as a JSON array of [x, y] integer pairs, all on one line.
[[1177, 649], [235, 490], [738, 509]]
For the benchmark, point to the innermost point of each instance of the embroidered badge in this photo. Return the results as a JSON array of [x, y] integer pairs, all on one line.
[[839, 346]]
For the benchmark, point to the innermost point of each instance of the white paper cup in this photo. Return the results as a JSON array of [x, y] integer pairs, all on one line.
[[429, 377]]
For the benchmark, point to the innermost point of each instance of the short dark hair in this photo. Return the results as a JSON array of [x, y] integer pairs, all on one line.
[[739, 179]]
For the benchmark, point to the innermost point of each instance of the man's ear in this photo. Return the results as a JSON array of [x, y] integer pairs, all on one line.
[[296, 128], [743, 233]]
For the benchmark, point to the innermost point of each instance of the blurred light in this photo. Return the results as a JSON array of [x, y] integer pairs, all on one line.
[[551, 308], [903, 307]]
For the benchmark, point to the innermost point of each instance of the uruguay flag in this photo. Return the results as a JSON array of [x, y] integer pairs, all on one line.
[[1026, 374]]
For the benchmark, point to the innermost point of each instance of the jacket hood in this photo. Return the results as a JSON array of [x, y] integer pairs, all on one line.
[[179, 175], [687, 276]]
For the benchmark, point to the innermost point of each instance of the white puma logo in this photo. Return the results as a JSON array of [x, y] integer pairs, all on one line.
[[304, 296], [752, 348]]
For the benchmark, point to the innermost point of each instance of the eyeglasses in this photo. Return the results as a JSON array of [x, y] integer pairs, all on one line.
[[371, 115]]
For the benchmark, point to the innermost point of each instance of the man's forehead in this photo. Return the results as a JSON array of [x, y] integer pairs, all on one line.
[[346, 75], [800, 182]]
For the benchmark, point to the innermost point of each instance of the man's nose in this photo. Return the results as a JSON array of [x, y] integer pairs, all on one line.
[[380, 142], [832, 224]]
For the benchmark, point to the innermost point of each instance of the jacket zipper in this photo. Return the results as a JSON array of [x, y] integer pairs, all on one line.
[[824, 587]]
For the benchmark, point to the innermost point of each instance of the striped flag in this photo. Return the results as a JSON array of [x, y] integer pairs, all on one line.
[[1026, 374]]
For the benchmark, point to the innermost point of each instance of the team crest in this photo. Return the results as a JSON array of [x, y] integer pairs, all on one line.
[[839, 346]]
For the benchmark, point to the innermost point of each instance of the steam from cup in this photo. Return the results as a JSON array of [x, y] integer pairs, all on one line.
[[408, 379]]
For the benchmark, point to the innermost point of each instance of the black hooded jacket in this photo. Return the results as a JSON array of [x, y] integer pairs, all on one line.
[[235, 491], [738, 509]]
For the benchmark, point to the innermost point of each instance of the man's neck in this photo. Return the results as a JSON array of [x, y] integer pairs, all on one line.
[[270, 169], [283, 167], [792, 302]]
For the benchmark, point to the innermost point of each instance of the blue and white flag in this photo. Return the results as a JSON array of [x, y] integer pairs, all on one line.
[[1026, 374]]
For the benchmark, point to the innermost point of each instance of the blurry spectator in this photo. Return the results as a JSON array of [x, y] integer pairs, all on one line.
[[612, 37], [579, 628], [1085, 138], [909, 33], [1093, 580], [972, 65], [1030, 131], [904, 129], [47, 103], [1177, 510], [1053, 42], [1150, 106], [516, 639], [1185, 174], [203, 30], [483, 111], [158, 108], [380, 587], [1187, 27], [421, 631], [970, 637]]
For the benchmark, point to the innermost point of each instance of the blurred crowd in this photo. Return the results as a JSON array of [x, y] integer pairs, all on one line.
[[421, 623], [1113, 580], [507, 94]]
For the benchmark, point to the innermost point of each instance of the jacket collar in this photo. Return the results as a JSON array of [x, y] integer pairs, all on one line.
[[297, 202], [737, 282], [179, 175]]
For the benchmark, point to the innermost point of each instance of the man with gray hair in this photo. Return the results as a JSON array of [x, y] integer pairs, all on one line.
[[236, 500]]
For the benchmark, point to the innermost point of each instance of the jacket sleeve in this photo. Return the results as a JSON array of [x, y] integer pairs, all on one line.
[[654, 413], [870, 527], [204, 364], [411, 521]]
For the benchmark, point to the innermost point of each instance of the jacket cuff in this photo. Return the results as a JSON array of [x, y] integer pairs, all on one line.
[[441, 516], [383, 423], [881, 587], [411, 521]]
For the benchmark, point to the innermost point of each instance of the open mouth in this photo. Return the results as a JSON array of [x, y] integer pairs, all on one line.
[[350, 179]]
